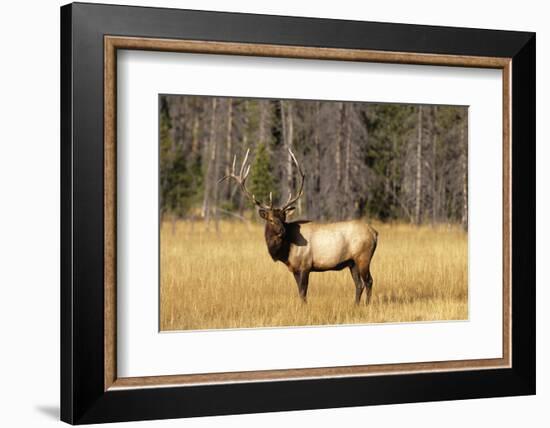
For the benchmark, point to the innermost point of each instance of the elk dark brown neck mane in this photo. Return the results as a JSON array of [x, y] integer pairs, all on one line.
[[277, 245], [306, 247]]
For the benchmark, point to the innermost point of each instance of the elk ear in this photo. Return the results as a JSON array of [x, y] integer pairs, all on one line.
[[263, 213], [289, 211]]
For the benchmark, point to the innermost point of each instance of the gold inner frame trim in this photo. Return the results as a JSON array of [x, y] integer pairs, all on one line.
[[113, 43]]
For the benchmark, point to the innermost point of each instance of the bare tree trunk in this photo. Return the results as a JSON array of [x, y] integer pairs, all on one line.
[[284, 137], [434, 166], [262, 125], [338, 159], [195, 136], [317, 173], [173, 150], [418, 188], [288, 135], [228, 145], [212, 151], [215, 181], [290, 146], [244, 147], [442, 198], [347, 161], [338, 154], [464, 164], [394, 174]]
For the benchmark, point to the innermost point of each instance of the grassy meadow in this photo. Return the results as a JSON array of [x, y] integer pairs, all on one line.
[[226, 279]]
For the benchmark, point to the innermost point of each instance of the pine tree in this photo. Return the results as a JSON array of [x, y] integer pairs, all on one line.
[[179, 184], [261, 177]]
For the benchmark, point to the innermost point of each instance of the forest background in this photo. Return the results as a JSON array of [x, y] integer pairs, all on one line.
[[387, 162]]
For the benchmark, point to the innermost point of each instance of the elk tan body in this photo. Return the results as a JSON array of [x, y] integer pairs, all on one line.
[[318, 247], [306, 247]]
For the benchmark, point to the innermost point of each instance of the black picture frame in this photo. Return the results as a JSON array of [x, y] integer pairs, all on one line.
[[83, 398]]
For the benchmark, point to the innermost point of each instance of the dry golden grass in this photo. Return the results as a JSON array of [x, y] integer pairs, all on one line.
[[227, 279]]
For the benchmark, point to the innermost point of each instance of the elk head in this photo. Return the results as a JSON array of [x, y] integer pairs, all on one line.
[[275, 217]]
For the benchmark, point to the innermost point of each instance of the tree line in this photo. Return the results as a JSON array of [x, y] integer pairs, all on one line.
[[391, 162]]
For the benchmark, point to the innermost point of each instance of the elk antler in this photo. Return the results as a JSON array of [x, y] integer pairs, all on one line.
[[241, 180], [292, 200]]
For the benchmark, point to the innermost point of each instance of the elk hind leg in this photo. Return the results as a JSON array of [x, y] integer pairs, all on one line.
[[359, 285], [366, 277], [369, 282]]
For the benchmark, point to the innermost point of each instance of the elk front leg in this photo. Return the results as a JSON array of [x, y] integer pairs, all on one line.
[[302, 280]]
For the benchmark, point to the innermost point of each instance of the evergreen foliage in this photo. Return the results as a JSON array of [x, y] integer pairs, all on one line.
[[261, 175]]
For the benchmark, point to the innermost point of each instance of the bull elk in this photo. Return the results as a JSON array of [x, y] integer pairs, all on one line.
[[305, 246]]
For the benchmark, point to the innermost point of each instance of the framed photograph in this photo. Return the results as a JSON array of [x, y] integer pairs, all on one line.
[[265, 213]]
